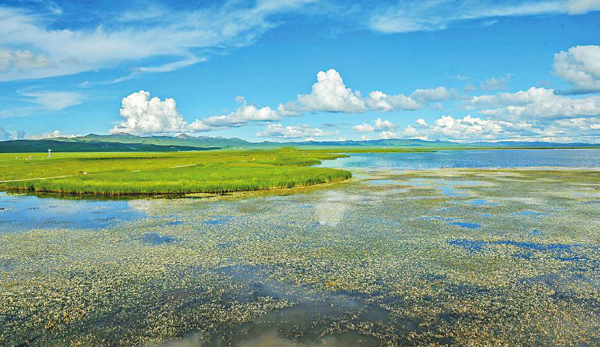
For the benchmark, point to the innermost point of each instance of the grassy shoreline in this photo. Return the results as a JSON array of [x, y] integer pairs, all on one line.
[[169, 174]]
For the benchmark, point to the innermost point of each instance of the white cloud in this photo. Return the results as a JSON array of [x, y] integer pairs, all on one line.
[[388, 135], [53, 100], [292, 131], [330, 94], [380, 101], [364, 128], [22, 60], [384, 124], [53, 135], [582, 6], [144, 115], [410, 131], [434, 94], [468, 128], [198, 126], [45, 102], [580, 66], [496, 83], [429, 15], [46, 51], [243, 115], [536, 103], [379, 124], [176, 65], [473, 129], [421, 122], [4, 135]]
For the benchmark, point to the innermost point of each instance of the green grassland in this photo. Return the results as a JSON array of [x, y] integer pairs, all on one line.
[[178, 173]]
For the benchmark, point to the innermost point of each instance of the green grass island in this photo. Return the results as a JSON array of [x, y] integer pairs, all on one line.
[[166, 173]]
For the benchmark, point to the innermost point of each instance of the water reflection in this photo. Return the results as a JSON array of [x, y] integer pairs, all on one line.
[[24, 212]]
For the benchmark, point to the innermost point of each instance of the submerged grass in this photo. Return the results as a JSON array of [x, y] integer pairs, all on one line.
[[166, 173]]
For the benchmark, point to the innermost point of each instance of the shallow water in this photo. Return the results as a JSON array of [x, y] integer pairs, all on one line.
[[25, 212], [434, 257]]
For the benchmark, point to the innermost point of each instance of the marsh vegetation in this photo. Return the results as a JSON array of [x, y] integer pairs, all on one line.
[[179, 173]]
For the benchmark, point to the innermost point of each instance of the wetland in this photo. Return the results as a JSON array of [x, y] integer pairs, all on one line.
[[469, 248]]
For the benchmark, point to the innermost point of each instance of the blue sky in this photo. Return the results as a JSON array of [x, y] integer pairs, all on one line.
[[302, 69]]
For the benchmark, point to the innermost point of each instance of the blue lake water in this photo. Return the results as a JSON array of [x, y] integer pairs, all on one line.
[[24, 212], [509, 158]]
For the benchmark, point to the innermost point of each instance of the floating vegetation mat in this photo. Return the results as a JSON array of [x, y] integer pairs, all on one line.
[[440, 257]]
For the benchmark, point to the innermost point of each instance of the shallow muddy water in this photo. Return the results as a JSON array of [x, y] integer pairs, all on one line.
[[431, 257]]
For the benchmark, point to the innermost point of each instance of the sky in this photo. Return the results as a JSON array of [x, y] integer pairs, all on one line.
[[296, 70]]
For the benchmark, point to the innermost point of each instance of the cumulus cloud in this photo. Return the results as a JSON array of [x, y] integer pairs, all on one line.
[[473, 129], [330, 94], [379, 124], [580, 66], [468, 128], [380, 101], [429, 15], [536, 103], [364, 128], [144, 115], [292, 131], [421, 122], [5, 135], [385, 135], [243, 115], [52, 135]]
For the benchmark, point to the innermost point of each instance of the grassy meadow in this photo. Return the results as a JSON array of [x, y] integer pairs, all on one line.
[[178, 173]]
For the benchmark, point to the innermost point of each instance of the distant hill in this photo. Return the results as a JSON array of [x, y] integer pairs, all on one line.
[[33, 146], [179, 140], [183, 142]]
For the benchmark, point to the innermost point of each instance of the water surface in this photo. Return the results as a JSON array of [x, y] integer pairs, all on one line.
[[500, 158]]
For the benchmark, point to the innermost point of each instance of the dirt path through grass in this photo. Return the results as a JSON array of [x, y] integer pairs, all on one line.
[[37, 179]]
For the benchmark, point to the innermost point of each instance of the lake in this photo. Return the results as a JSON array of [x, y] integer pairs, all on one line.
[[418, 249], [500, 158]]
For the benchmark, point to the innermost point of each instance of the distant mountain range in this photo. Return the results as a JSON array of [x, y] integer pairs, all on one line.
[[132, 143]]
